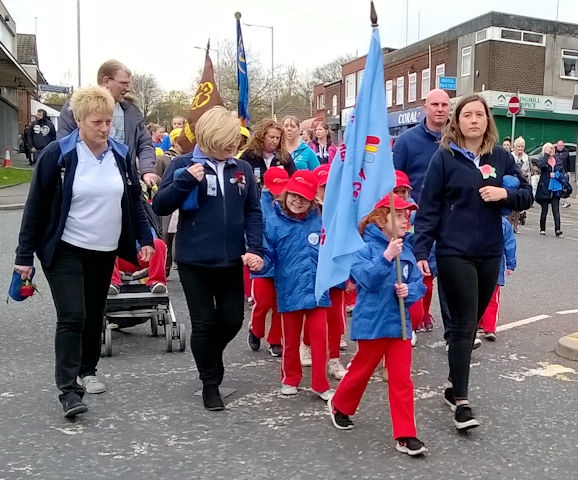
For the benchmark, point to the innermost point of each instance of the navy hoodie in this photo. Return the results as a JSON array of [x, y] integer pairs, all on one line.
[[452, 212]]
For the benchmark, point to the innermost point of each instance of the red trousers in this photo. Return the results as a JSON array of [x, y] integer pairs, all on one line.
[[263, 293], [246, 281], [397, 354], [156, 266], [426, 299], [492, 314], [336, 318], [316, 324], [416, 314], [351, 296]]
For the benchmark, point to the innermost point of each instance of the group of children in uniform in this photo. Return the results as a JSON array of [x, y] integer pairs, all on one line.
[[286, 287]]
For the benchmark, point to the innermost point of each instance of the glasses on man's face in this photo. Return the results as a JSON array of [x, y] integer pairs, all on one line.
[[124, 84]]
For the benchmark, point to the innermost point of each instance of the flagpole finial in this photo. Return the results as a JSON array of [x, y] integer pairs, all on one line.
[[373, 15], [238, 15], [208, 45]]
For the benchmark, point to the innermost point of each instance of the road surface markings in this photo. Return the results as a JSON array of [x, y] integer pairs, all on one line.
[[545, 370], [566, 312], [519, 323]]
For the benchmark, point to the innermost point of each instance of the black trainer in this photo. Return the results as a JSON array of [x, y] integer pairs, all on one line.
[[275, 350], [72, 405], [412, 446], [449, 398], [464, 418], [212, 398], [253, 341], [339, 420]]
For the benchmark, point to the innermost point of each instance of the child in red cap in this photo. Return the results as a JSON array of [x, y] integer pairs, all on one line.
[[376, 323], [292, 236], [262, 286]]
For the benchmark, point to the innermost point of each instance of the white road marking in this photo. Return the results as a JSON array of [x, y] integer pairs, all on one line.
[[546, 370], [519, 323], [566, 312]]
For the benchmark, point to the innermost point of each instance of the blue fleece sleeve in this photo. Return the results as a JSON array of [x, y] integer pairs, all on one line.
[[399, 151], [370, 270], [311, 158], [253, 214], [520, 198], [174, 191], [509, 245], [416, 287]]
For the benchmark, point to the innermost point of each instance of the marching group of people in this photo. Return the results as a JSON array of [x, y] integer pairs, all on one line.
[[260, 210]]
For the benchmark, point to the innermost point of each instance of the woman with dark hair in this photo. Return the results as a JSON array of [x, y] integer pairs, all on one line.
[[459, 208], [267, 149], [322, 144]]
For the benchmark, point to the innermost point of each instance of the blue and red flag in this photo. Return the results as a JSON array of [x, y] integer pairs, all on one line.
[[242, 78], [360, 175]]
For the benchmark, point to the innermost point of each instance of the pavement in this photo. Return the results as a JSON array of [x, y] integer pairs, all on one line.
[[14, 197]]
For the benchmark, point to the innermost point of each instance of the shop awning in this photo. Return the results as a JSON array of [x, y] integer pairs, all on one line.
[[12, 74]]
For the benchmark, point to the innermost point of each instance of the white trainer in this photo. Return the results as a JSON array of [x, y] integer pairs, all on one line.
[[326, 395], [413, 338], [305, 354], [288, 390], [335, 368], [91, 384]]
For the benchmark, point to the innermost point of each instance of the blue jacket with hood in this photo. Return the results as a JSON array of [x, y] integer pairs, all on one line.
[[452, 212], [50, 197], [376, 314], [223, 225], [292, 248], [304, 158]]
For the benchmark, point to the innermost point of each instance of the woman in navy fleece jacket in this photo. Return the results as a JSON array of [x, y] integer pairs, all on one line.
[[459, 208]]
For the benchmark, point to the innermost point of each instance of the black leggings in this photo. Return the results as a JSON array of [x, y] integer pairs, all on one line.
[[468, 283], [216, 305], [555, 201]]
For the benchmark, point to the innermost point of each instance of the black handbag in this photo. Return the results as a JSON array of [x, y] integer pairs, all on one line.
[[566, 188]]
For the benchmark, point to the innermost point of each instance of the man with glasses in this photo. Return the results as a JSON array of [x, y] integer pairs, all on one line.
[[128, 125]]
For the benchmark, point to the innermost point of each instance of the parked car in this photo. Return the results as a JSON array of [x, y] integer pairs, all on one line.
[[535, 153]]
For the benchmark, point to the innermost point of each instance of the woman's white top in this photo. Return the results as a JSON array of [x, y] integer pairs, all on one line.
[[95, 218]]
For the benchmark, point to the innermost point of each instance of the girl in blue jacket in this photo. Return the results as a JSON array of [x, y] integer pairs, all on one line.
[[291, 242], [376, 323]]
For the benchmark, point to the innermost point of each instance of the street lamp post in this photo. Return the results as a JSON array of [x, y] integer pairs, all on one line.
[[78, 39], [218, 62], [272, 65]]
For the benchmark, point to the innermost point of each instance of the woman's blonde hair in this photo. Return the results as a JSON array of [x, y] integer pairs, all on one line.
[[452, 132], [546, 146], [520, 141], [216, 129], [87, 100]]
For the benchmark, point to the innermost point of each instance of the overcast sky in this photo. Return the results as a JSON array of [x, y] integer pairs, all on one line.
[[157, 37]]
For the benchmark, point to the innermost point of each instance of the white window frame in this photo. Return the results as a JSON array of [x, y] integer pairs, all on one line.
[[399, 91], [389, 92], [321, 102], [359, 77], [411, 87], [482, 35], [425, 82], [334, 106], [440, 72], [350, 90], [466, 62], [569, 55]]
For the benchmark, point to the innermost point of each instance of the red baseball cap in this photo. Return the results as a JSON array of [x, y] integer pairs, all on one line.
[[322, 172], [398, 203], [401, 179], [275, 179], [304, 183]]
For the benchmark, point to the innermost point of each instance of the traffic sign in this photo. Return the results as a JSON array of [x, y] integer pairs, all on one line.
[[514, 105], [53, 88], [448, 83]]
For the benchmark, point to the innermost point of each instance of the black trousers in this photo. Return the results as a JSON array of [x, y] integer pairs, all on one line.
[[555, 201], [79, 281], [468, 284], [216, 305]]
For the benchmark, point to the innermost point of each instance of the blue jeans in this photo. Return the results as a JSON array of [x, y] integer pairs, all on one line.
[[216, 305], [79, 281], [468, 284]]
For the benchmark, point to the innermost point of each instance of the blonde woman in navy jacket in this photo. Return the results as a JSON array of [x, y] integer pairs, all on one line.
[[459, 208]]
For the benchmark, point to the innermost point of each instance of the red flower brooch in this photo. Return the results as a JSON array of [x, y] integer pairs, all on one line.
[[487, 171], [240, 180]]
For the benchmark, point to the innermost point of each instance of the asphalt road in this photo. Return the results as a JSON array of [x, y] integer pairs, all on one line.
[[150, 425]]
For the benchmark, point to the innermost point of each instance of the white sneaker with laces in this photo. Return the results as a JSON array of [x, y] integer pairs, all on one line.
[[305, 354], [335, 368], [326, 395], [288, 390], [413, 338], [158, 288], [91, 384]]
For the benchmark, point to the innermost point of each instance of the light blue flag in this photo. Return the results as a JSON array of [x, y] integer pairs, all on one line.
[[359, 177], [242, 78]]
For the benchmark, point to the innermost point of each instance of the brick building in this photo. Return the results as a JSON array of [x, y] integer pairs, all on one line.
[[497, 55]]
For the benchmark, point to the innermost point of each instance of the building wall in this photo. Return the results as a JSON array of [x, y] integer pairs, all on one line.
[[553, 84], [515, 67]]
